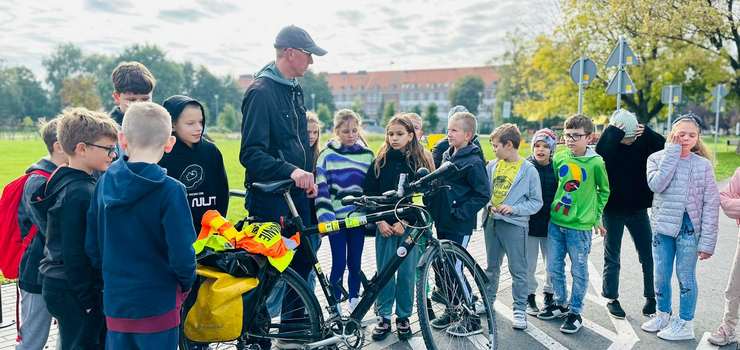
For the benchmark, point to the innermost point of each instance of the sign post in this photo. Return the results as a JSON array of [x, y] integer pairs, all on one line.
[[719, 93], [582, 72], [621, 83], [671, 96]]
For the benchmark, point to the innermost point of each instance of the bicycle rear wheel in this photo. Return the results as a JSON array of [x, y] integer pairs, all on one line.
[[298, 319], [454, 315]]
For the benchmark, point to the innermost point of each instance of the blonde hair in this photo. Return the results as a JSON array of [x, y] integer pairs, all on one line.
[[416, 155], [699, 148], [147, 125], [81, 125], [312, 118], [469, 122], [346, 115]]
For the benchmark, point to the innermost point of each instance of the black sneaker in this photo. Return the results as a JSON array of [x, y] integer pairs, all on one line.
[[532, 308], [403, 328], [553, 311], [549, 299], [649, 308], [382, 329], [615, 310], [469, 325], [572, 324], [444, 321]]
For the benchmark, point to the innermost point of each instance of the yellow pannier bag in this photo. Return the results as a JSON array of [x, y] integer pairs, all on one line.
[[218, 312]]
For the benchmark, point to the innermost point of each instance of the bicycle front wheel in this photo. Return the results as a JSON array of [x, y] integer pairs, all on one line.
[[455, 310]]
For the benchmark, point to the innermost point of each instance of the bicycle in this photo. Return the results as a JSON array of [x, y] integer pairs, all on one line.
[[449, 280]]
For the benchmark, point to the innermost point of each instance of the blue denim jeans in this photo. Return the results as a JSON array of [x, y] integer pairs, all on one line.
[[577, 244], [682, 248]]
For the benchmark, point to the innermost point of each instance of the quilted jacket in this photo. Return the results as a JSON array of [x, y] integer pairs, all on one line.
[[683, 185]]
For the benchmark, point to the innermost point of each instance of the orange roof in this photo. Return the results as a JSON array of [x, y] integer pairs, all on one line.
[[422, 78]]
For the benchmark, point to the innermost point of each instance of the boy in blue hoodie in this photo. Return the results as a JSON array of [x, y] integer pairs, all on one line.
[[515, 185], [454, 211], [140, 233]]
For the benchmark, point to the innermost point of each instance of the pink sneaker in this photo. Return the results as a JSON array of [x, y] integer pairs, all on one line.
[[722, 336]]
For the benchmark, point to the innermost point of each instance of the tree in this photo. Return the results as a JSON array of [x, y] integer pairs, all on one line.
[[389, 112], [431, 119], [65, 61], [324, 115], [22, 94], [416, 109], [80, 91], [318, 85], [228, 118], [358, 106], [207, 88], [466, 91]]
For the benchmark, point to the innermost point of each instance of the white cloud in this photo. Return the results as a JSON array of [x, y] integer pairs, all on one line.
[[232, 37]]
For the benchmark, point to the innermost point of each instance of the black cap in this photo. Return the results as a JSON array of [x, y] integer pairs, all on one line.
[[297, 38]]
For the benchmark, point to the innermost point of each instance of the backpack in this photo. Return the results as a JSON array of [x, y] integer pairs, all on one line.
[[12, 244]]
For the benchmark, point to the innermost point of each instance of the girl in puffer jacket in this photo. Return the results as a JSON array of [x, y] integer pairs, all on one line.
[[684, 223]]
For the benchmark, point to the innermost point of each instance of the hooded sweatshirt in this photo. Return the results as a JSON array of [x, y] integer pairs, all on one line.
[[274, 141], [28, 279], [539, 222], [64, 202], [140, 234], [454, 210], [340, 172], [583, 190], [199, 167]]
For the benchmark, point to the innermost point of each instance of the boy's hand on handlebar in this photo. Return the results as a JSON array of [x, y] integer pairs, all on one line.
[[385, 229], [303, 179]]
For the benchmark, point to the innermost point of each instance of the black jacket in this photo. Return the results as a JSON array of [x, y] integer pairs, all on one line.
[[274, 141], [442, 146], [28, 277], [200, 168], [390, 173], [626, 168], [455, 210], [539, 222], [117, 115], [65, 201]]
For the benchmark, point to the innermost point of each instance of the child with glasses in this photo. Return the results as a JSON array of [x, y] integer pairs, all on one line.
[[583, 189], [71, 286]]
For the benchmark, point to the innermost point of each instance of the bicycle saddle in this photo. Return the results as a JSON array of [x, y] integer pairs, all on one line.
[[273, 187]]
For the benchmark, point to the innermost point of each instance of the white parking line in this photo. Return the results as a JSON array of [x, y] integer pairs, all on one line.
[[626, 336], [704, 344], [536, 333]]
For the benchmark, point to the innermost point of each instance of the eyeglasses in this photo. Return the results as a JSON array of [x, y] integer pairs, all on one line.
[[304, 51], [575, 137], [112, 150]]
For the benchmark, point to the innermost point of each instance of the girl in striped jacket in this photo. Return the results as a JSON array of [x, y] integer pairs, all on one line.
[[340, 172]]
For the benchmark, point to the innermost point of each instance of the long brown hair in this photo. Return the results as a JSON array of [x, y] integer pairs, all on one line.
[[416, 155], [312, 118]]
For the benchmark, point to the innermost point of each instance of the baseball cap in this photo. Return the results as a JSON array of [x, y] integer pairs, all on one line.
[[297, 38]]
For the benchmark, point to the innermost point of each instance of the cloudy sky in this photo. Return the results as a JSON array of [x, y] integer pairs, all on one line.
[[235, 37]]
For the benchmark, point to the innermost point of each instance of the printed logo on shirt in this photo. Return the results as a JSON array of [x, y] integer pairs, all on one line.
[[192, 176], [578, 176]]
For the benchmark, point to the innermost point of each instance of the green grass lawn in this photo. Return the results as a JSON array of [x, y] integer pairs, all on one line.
[[17, 154]]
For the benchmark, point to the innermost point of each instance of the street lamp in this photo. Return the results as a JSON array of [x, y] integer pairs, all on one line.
[[313, 102]]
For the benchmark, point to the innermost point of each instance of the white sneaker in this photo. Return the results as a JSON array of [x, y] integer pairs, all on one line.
[[352, 304], [678, 330], [657, 323], [520, 320]]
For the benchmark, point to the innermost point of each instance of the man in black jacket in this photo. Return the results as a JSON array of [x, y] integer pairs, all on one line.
[[625, 146], [275, 137]]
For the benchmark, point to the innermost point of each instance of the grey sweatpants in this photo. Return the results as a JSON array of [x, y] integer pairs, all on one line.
[[503, 238], [35, 322], [536, 245]]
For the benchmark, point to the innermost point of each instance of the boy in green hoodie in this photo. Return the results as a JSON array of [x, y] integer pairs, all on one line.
[[583, 190]]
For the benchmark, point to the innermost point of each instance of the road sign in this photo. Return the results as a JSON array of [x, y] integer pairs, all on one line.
[[622, 55], [583, 70], [671, 94], [621, 83], [719, 91], [506, 113]]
